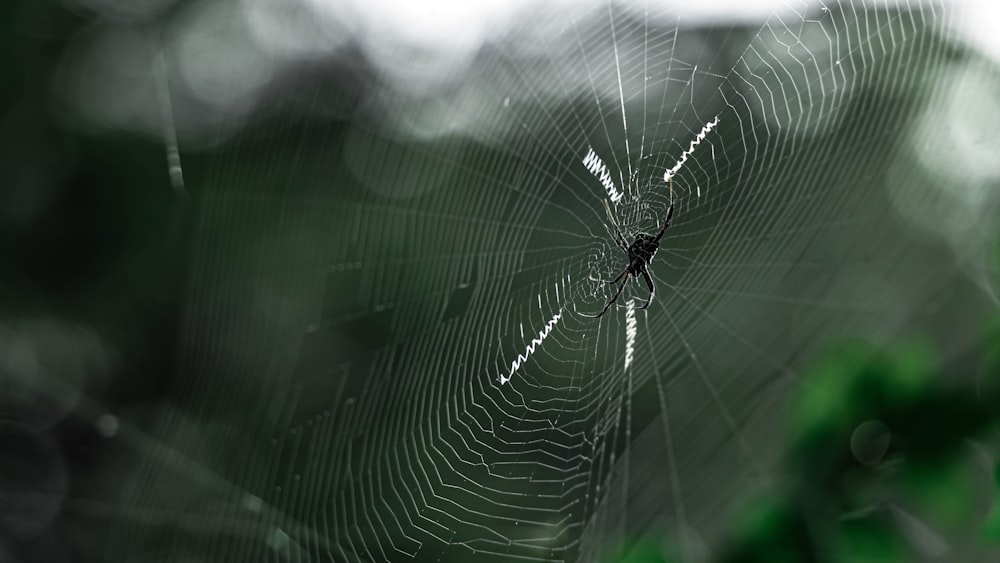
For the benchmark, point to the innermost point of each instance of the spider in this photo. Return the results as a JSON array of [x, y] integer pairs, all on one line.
[[640, 253]]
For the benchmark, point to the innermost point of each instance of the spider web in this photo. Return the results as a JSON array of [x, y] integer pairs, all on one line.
[[384, 356]]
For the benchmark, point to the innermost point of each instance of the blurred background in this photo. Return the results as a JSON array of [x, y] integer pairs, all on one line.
[[308, 280]]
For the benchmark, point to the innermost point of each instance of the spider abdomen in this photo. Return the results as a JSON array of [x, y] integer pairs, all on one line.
[[643, 249]]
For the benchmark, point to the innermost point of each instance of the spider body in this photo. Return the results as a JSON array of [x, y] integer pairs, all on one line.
[[640, 253]]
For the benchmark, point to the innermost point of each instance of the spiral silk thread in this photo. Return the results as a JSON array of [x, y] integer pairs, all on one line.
[[630, 332], [601, 172], [521, 358], [694, 143]]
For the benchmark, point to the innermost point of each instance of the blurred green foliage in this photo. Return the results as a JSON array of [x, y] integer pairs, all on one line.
[[895, 493], [902, 492], [891, 456]]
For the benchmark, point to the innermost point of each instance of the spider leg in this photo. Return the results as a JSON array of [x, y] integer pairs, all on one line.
[[649, 284], [625, 271], [618, 232], [670, 211], [610, 303]]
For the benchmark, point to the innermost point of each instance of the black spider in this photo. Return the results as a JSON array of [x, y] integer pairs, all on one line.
[[640, 254]]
